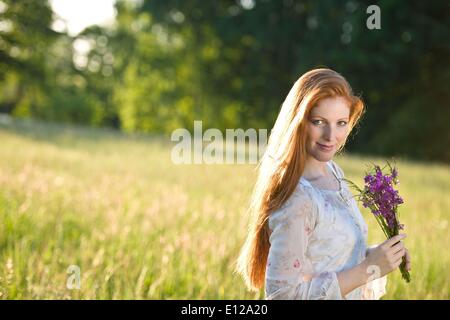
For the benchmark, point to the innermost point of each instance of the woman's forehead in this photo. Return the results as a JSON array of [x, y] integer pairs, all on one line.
[[336, 107]]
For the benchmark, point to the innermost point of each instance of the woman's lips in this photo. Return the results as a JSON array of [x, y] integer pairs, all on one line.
[[325, 147]]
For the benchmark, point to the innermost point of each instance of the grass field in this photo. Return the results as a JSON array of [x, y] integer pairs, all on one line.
[[140, 227]]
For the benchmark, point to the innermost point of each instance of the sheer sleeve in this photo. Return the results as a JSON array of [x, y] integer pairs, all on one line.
[[289, 273], [375, 289]]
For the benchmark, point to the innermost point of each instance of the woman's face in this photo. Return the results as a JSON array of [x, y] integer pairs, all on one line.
[[327, 128]]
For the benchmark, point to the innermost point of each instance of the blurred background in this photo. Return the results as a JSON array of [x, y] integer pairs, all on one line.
[[91, 90], [157, 65]]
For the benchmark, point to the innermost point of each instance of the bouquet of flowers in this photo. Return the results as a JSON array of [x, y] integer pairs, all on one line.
[[382, 199]]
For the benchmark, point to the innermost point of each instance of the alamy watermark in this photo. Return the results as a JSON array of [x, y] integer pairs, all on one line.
[[374, 20], [237, 146], [74, 279]]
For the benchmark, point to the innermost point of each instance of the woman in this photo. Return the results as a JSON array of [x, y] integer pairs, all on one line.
[[307, 238]]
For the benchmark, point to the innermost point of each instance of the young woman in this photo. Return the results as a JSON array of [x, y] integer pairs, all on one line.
[[307, 238]]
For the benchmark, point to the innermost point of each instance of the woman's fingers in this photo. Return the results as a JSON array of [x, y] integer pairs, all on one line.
[[392, 241], [399, 255], [398, 262], [396, 248]]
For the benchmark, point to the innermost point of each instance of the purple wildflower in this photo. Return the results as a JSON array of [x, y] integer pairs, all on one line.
[[380, 196]]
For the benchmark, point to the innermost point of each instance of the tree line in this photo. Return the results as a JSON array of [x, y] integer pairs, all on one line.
[[230, 64]]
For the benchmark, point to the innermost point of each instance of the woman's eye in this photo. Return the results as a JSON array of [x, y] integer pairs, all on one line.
[[319, 122]]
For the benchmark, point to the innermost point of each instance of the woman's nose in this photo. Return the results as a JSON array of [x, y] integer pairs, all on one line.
[[328, 133]]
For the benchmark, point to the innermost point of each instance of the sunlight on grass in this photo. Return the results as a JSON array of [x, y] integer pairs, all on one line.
[[140, 227]]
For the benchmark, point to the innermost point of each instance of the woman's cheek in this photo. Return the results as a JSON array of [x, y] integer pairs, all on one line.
[[343, 134], [315, 132]]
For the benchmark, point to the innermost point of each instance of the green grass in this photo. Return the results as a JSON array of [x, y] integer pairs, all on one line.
[[140, 227]]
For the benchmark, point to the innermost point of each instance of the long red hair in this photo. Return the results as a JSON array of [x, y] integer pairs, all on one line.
[[283, 162]]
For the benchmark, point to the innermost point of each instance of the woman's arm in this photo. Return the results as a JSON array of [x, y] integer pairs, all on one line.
[[386, 257], [353, 278], [289, 272]]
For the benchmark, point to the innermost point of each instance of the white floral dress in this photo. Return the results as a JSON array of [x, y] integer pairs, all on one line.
[[314, 235]]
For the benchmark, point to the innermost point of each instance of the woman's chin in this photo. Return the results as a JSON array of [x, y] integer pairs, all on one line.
[[323, 156]]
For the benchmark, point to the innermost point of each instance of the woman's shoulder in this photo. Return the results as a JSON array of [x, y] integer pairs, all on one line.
[[301, 202]]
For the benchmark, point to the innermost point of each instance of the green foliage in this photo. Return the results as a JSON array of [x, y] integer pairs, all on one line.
[[167, 63]]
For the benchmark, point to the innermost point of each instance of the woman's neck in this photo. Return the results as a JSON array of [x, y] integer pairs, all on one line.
[[314, 169]]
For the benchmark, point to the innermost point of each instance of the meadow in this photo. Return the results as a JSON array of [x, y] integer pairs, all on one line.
[[140, 227]]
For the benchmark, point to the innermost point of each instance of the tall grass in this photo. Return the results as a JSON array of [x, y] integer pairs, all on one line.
[[140, 227]]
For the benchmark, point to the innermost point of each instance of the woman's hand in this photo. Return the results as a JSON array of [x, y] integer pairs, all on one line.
[[387, 257]]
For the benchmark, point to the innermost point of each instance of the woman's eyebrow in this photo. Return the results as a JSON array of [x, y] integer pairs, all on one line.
[[344, 118]]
